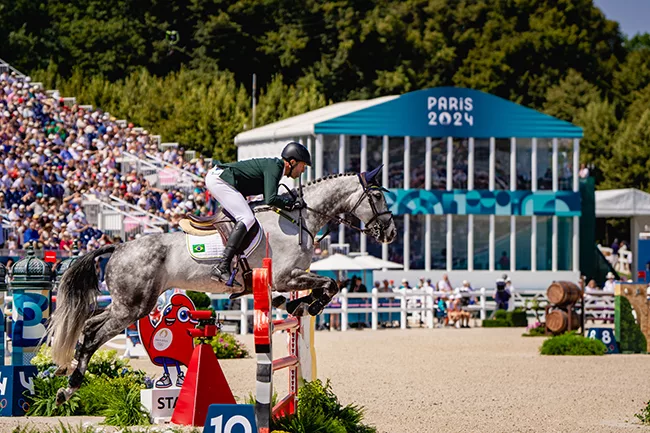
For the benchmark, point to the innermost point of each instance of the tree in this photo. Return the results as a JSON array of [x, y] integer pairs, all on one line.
[[629, 166], [571, 95], [600, 125]]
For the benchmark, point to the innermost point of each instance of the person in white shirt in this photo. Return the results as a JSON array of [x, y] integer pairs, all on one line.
[[609, 284], [444, 285]]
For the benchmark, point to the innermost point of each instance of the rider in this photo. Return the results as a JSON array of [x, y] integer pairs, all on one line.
[[230, 183]]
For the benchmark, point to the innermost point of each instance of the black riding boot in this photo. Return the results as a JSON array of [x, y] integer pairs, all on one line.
[[221, 271]]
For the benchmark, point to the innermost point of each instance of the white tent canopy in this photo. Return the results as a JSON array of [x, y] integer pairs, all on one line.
[[376, 263], [338, 262], [623, 203]]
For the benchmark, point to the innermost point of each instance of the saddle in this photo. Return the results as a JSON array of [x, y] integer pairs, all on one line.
[[223, 223]]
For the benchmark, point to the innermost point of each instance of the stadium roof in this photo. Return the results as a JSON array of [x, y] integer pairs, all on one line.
[[435, 112]]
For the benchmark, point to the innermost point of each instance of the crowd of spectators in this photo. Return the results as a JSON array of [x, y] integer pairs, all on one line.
[[52, 154]]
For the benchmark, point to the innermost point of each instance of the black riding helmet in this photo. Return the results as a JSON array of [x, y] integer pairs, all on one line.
[[297, 152]]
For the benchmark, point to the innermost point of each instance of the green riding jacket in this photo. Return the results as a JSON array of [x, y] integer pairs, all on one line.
[[257, 176]]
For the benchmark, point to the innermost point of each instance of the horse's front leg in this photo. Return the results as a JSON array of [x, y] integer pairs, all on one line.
[[323, 289]]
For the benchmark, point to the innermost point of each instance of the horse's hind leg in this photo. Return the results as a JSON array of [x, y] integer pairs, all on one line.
[[97, 331]]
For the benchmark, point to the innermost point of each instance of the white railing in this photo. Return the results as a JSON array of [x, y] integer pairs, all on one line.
[[417, 306]]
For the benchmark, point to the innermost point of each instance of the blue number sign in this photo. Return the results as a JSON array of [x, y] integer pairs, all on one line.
[[230, 418], [606, 335]]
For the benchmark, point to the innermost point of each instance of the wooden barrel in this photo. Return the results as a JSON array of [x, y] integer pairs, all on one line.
[[563, 293], [557, 321]]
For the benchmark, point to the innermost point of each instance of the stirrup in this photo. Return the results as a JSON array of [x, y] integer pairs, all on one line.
[[231, 281]]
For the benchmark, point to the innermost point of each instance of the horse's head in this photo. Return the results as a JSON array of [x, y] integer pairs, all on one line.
[[371, 208]]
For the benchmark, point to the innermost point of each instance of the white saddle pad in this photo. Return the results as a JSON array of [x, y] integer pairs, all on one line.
[[211, 247]]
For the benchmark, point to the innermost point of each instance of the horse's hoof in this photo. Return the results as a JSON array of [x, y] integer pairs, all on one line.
[[316, 308], [298, 310], [61, 397], [278, 301]]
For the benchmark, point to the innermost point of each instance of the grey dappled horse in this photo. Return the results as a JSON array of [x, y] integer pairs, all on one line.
[[140, 270]]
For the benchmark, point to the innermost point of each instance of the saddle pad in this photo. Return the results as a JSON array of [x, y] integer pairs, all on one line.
[[211, 247]]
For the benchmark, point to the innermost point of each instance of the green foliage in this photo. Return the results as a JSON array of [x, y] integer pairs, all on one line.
[[503, 319], [319, 410], [226, 346], [43, 403], [67, 428], [518, 318], [43, 359], [536, 330], [495, 323], [631, 339], [123, 407], [571, 343], [201, 300], [644, 415]]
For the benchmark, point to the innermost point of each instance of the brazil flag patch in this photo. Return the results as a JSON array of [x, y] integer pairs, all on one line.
[[199, 248]]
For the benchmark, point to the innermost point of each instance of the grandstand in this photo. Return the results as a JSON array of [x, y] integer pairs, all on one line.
[[73, 172]]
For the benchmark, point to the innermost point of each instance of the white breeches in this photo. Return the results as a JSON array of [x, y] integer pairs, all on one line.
[[229, 198]]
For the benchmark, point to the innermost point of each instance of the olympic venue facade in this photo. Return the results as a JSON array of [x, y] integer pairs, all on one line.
[[479, 186]]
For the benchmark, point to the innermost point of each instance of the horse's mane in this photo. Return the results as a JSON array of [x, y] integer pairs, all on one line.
[[331, 176], [258, 203]]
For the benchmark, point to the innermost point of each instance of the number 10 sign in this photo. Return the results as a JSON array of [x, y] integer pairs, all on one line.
[[230, 418]]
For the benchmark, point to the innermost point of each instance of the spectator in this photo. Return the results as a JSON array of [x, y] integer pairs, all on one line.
[[584, 171], [609, 283], [504, 261], [502, 295], [444, 285]]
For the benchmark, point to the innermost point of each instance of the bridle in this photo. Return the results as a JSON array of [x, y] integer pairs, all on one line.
[[375, 226]]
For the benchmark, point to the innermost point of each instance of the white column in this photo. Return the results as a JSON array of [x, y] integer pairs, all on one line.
[[470, 242], [449, 242], [555, 167], [492, 243], [319, 156], [384, 183], [492, 234], [427, 242], [427, 218], [533, 165], [554, 244], [492, 170], [533, 243], [576, 244], [470, 163], [513, 243], [576, 164], [427, 164], [407, 162], [312, 151], [363, 154], [341, 170], [406, 251], [513, 164], [450, 163]]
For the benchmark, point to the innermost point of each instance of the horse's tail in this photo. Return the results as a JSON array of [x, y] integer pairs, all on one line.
[[75, 297]]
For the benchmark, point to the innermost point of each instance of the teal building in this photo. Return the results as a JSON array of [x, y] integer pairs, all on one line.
[[479, 186]]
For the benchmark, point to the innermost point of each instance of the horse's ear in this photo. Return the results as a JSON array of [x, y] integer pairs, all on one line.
[[371, 175]]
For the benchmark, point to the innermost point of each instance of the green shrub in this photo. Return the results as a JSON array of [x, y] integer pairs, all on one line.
[[495, 323], [644, 415], [226, 346], [501, 315], [630, 338], [536, 330], [43, 402], [572, 344], [201, 300], [319, 410], [518, 318], [123, 407]]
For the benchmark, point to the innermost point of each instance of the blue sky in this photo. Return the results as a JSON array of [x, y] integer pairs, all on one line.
[[633, 16]]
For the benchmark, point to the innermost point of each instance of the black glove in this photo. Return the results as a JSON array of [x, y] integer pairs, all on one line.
[[298, 203]]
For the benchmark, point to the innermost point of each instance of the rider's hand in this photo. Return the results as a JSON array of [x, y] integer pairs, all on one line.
[[299, 203]]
